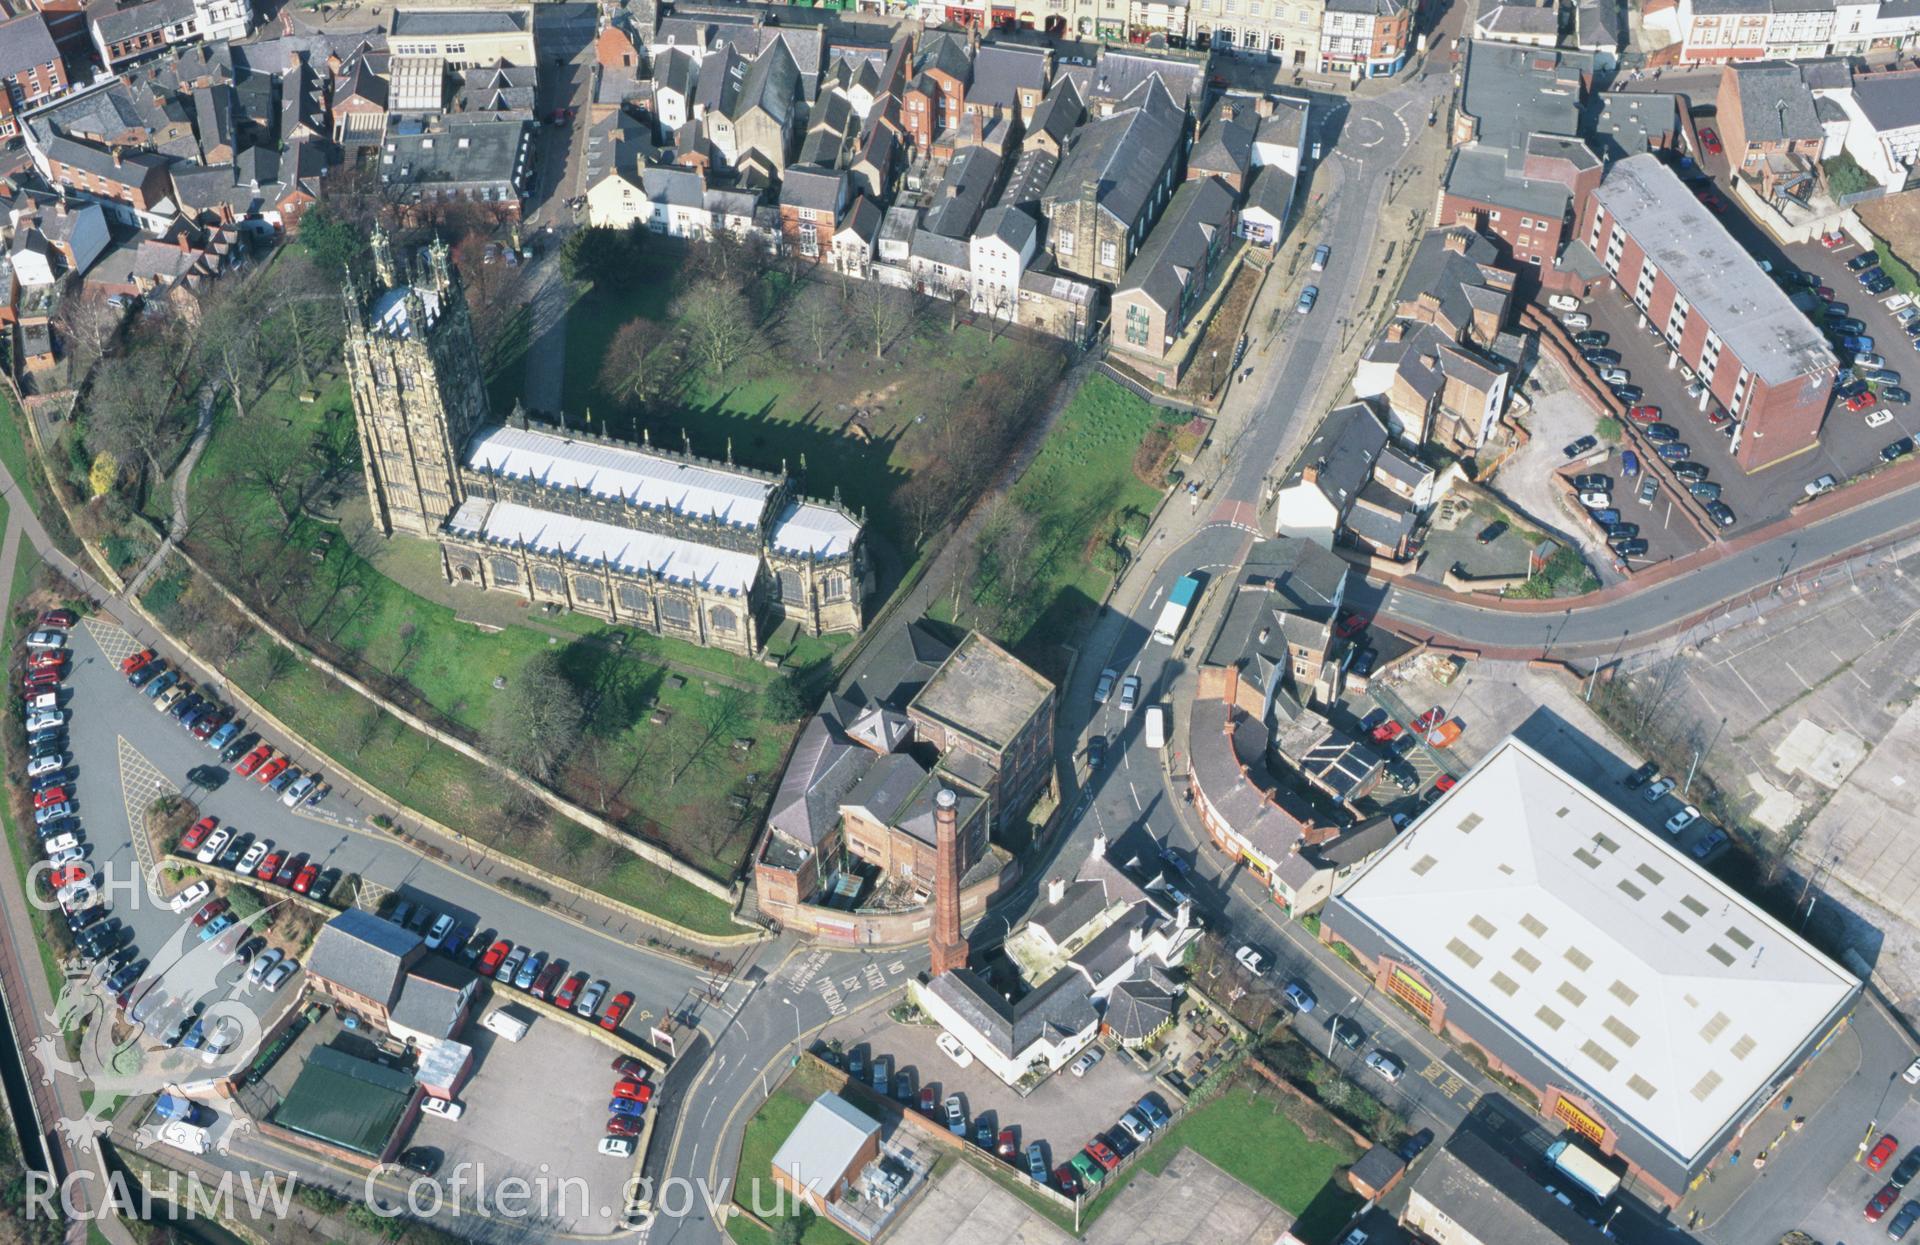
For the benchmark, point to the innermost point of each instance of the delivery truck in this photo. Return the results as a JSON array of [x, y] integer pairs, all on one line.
[[1173, 615]]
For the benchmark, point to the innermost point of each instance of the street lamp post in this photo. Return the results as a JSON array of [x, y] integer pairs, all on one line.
[[1333, 1026]]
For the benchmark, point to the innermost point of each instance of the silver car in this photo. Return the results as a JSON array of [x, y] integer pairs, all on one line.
[[590, 999], [1129, 693], [1104, 688]]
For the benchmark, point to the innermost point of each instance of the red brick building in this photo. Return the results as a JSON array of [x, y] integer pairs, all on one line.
[[1760, 357], [935, 96], [31, 70], [1524, 199]]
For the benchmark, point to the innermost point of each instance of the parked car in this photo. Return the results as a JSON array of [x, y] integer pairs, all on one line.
[[1300, 997], [1691, 472], [1492, 531], [1088, 1058], [1899, 449], [1706, 490], [956, 1116], [1321, 254], [1629, 464], [1660, 434], [1577, 448], [1682, 819], [1673, 451], [1719, 512], [1307, 298], [617, 1011], [1387, 1065], [1103, 689]]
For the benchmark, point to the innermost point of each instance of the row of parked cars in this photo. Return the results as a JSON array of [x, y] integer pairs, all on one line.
[[204, 717], [545, 978], [1902, 1175], [53, 786], [1657, 789]]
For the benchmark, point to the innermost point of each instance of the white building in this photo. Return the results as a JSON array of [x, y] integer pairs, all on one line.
[[1649, 1006], [1883, 130], [1000, 250]]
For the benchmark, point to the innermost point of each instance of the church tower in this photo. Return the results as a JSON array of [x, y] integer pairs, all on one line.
[[417, 388]]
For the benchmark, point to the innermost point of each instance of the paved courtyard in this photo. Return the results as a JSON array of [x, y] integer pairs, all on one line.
[[1064, 1112]]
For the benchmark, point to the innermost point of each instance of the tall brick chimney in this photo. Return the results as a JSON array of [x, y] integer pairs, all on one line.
[[948, 947]]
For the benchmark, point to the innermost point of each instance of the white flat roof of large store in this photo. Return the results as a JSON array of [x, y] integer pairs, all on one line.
[[1599, 948]]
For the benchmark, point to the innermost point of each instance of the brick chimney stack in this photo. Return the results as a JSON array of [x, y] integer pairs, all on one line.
[[948, 947]]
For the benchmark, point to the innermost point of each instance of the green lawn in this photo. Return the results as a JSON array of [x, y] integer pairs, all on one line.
[[1081, 491], [760, 1141]]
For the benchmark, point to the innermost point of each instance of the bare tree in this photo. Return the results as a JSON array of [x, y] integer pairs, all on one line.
[[641, 364], [282, 472], [881, 311], [719, 332], [718, 717], [88, 323], [132, 414], [536, 724], [229, 340], [817, 321]]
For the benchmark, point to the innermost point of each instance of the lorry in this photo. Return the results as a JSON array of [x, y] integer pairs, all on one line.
[[1173, 615], [1584, 1169]]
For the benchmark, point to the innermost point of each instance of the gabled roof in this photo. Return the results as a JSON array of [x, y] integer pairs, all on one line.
[[1775, 104], [1342, 453], [948, 51], [771, 85], [1001, 71], [1119, 159], [364, 953], [1225, 143], [1058, 1008], [1492, 1198], [825, 765], [1059, 113], [813, 188], [1272, 193], [962, 194], [432, 997], [26, 44], [1175, 255], [1011, 226], [1891, 101]]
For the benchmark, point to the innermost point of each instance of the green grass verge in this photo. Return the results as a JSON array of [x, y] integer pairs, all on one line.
[[20, 844], [760, 1141]]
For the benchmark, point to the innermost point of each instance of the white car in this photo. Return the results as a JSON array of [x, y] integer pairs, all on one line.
[[190, 897], [297, 791], [1879, 416], [46, 765], [1682, 819], [61, 842], [950, 1046], [437, 936], [590, 999], [1825, 484], [264, 964], [65, 855], [1092, 1055], [1387, 1065], [281, 971], [47, 639], [445, 1108], [1615, 375], [1563, 302], [1868, 359], [1596, 500], [255, 854], [1577, 320], [215, 844], [1912, 1075], [618, 1147], [1251, 960], [1656, 789], [46, 719], [1321, 254]]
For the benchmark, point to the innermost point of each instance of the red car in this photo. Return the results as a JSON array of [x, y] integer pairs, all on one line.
[[1066, 1181], [1005, 1148], [1099, 1153], [271, 770], [197, 833], [269, 866], [50, 797], [1444, 783], [1882, 1152], [569, 992], [629, 1068], [1352, 625], [1831, 240], [1428, 720], [253, 760], [208, 723], [303, 881], [1714, 203], [40, 681], [1881, 1202], [139, 659], [639, 1091], [69, 874], [623, 1125], [59, 618], [1860, 401], [1824, 291], [212, 908], [1712, 142], [617, 1010], [47, 659], [1644, 414], [1387, 731], [929, 1100], [1717, 417], [490, 961]]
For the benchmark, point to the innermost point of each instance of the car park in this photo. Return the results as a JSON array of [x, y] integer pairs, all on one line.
[[1896, 395], [1660, 434], [1690, 472], [1721, 513], [569, 992], [1592, 482], [1902, 1223], [271, 770], [546, 980], [1616, 376], [1492, 532], [1628, 393], [956, 1116], [1704, 491], [1595, 501], [1580, 447], [1088, 1058], [1629, 464], [1674, 451], [254, 857], [1576, 320]]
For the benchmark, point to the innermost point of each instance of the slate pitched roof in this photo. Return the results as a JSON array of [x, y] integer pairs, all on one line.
[[1120, 157], [1342, 452], [1775, 104], [1002, 71], [26, 44], [1058, 1008], [1175, 255], [364, 953]]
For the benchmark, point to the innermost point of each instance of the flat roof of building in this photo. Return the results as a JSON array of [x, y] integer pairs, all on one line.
[[1639, 978], [985, 691], [1688, 244]]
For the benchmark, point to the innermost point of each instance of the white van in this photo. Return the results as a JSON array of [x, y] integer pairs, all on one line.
[[1156, 726], [508, 1024]]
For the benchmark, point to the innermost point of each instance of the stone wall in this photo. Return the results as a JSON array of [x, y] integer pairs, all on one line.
[[888, 929]]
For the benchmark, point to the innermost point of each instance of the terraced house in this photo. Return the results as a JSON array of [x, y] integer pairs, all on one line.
[[1172, 276], [679, 545], [1115, 179]]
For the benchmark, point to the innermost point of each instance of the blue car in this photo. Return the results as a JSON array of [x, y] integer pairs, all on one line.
[[1709, 842], [1629, 464], [224, 736], [161, 684], [1857, 343], [627, 1106], [1301, 997], [1156, 1116], [1869, 276], [530, 970]]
